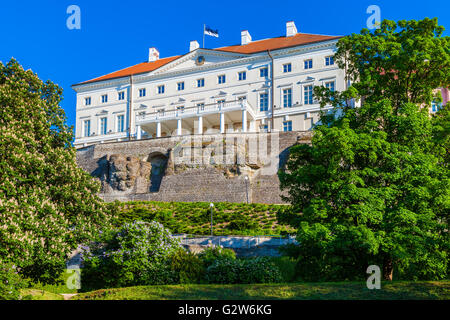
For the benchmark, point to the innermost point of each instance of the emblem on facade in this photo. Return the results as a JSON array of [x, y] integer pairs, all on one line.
[[200, 60]]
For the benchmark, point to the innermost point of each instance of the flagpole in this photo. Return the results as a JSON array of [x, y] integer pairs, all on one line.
[[204, 28]]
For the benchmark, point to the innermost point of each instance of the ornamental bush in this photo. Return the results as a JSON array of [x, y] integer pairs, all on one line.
[[10, 282], [136, 254], [249, 270]]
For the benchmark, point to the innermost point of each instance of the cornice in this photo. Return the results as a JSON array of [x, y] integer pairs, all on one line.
[[162, 72]]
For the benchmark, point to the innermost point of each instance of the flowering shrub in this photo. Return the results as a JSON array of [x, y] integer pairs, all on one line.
[[136, 254], [250, 270], [10, 282]]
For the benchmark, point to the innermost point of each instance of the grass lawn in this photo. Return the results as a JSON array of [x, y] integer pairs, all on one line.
[[297, 291], [38, 294]]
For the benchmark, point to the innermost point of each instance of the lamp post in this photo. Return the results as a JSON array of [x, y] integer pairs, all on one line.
[[246, 187], [211, 205]]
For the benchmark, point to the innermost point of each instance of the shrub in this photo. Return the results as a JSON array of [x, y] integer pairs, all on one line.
[[10, 282], [259, 270], [250, 270], [286, 265], [224, 271], [194, 217], [188, 267], [136, 254], [212, 254]]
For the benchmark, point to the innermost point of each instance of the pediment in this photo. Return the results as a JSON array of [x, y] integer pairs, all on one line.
[[200, 58]]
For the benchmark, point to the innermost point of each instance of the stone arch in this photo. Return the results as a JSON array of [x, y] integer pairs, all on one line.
[[158, 160]]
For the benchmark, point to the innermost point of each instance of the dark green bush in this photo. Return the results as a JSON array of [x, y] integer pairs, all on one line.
[[212, 254], [188, 267], [249, 270]]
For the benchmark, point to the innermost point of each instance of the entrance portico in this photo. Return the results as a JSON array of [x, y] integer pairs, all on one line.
[[230, 116]]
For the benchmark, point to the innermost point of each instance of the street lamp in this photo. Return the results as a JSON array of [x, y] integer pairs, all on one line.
[[211, 205], [246, 187]]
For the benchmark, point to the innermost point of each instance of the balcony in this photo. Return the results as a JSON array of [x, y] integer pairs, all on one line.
[[207, 109]]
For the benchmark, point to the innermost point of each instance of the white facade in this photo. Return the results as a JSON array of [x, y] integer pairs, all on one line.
[[206, 91]]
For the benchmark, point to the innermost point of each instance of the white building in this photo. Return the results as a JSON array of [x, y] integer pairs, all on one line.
[[228, 89]]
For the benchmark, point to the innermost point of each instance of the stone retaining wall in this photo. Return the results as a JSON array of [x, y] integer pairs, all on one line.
[[186, 168]]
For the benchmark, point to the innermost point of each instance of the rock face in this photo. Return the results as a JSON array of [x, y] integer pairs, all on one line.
[[124, 171], [215, 168]]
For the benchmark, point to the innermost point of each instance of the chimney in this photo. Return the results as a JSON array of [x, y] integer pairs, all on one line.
[[153, 54], [291, 29], [193, 45], [246, 38]]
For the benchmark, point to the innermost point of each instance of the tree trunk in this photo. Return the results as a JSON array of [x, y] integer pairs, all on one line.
[[388, 269]]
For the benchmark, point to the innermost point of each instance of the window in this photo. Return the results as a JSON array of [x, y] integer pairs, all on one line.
[[142, 92], [161, 112], [242, 98], [221, 79], [87, 128], [436, 106], [287, 67], [161, 89], [200, 83], [104, 98], [263, 72], [287, 126], [103, 125], [120, 123], [287, 98], [329, 61], [221, 102], [263, 101], [201, 106], [308, 94], [121, 95], [180, 86], [87, 101], [265, 128], [308, 64], [330, 85], [242, 75], [180, 109]]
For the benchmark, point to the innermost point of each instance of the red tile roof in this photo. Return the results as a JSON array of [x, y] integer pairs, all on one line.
[[278, 43], [253, 47]]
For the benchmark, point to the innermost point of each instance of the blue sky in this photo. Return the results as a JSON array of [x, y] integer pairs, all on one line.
[[117, 34]]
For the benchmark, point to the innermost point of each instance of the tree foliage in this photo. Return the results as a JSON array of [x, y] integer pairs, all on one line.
[[47, 204], [373, 187]]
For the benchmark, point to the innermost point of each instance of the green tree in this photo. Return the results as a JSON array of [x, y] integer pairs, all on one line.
[[373, 187], [48, 205]]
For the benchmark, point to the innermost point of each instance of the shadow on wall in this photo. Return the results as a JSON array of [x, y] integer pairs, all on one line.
[[159, 165]]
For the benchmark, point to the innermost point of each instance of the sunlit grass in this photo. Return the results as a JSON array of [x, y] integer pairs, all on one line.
[[297, 291]]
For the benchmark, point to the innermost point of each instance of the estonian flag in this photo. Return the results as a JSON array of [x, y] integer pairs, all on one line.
[[211, 32]]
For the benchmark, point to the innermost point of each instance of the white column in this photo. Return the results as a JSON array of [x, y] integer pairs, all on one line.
[[138, 132], [158, 129], [200, 125], [244, 120], [222, 122], [179, 127], [252, 126]]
